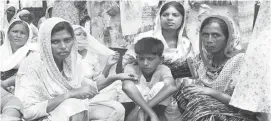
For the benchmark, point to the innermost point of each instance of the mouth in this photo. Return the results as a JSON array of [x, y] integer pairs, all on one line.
[[63, 53], [170, 24]]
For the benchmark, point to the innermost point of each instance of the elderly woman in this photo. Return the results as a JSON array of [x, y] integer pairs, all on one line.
[[58, 89], [208, 98], [17, 45], [177, 47]]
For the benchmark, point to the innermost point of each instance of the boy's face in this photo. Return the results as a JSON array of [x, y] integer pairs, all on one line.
[[148, 62]]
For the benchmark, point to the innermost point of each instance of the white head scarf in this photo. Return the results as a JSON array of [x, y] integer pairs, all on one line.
[[233, 42], [94, 46], [9, 60], [6, 23]]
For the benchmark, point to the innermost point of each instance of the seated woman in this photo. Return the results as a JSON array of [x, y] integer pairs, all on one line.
[[208, 99], [95, 56], [17, 45], [51, 84], [11, 106], [155, 84]]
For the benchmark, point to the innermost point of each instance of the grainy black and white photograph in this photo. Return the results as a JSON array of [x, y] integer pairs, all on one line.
[[135, 60]]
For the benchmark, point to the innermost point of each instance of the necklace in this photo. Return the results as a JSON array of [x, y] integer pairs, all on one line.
[[214, 70]]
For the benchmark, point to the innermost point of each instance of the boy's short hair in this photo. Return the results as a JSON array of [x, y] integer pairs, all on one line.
[[149, 45]]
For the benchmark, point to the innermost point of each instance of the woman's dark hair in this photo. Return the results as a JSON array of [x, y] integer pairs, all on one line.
[[178, 6], [62, 26], [149, 45], [223, 25], [19, 22]]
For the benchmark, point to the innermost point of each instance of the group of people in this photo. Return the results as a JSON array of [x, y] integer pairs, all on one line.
[[61, 72]]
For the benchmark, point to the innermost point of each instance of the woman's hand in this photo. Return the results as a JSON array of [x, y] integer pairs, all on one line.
[[113, 59], [83, 92], [193, 89]]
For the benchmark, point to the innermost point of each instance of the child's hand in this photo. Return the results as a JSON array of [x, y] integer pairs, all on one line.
[[113, 59], [127, 76]]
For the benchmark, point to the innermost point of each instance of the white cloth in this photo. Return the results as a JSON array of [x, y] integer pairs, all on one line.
[[253, 89]]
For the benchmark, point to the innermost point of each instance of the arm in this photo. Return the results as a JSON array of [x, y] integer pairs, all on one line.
[[130, 89], [8, 82], [106, 70], [168, 89], [220, 96], [104, 82]]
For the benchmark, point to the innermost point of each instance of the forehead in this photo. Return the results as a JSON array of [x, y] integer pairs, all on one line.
[[212, 27], [79, 29], [19, 26], [147, 55], [171, 9], [62, 34]]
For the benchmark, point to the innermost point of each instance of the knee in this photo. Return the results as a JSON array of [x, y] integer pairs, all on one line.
[[118, 108]]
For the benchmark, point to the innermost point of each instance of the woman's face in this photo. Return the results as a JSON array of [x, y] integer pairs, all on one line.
[[171, 19], [213, 38], [81, 37], [61, 43], [18, 35], [11, 12]]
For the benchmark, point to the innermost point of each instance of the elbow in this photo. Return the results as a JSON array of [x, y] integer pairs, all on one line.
[[173, 88], [126, 86]]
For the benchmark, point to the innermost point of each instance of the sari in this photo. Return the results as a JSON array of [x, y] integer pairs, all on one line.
[[204, 107], [174, 58], [253, 88], [10, 62], [47, 82]]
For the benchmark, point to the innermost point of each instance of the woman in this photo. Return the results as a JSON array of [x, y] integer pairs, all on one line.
[[58, 89], [97, 60], [177, 48], [253, 88], [208, 99], [17, 45], [9, 15], [26, 16], [48, 14]]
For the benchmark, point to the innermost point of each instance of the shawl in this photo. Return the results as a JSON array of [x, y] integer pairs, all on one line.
[[9, 60], [253, 88], [94, 47], [6, 23], [32, 26]]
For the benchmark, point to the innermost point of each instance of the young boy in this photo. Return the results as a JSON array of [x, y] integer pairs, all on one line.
[[155, 82]]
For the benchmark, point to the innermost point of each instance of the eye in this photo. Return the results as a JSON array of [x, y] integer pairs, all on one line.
[[204, 34], [54, 41], [216, 35], [150, 58], [165, 14], [68, 40], [176, 14]]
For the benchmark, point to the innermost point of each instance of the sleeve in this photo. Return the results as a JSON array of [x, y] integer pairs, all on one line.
[[31, 95], [165, 72]]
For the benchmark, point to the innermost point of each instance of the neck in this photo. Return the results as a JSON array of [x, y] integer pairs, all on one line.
[[147, 76], [15, 48], [170, 35], [219, 58], [83, 53], [59, 64], [9, 19]]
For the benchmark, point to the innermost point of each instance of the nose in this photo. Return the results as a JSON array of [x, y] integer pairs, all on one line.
[[170, 17], [62, 45], [210, 39], [146, 62]]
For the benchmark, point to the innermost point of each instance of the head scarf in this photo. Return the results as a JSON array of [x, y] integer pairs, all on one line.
[[233, 42], [9, 60], [94, 46], [46, 16], [70, 78], [6, 23], [32, 26]]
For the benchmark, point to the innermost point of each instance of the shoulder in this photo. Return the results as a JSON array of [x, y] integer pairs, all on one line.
[[31, 63], [237, 58], [164, 71]]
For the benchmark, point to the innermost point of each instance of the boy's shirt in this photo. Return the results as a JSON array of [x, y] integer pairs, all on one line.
[[159, 75]]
